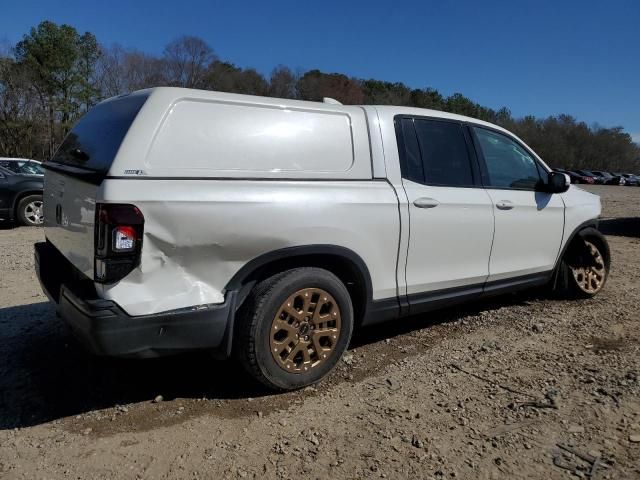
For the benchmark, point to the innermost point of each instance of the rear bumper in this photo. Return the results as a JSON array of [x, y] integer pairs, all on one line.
[[105, 329]]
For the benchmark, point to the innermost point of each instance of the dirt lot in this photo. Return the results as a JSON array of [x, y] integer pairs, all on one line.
[[460, 393]]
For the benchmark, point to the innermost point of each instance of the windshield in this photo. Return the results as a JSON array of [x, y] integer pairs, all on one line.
[[94, 141], [24, 167]]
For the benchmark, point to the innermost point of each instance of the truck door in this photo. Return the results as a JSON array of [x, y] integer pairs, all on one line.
[[529, 223], [451, 220]]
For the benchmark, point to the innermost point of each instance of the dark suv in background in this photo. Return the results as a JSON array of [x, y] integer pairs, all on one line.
[[21, 186]]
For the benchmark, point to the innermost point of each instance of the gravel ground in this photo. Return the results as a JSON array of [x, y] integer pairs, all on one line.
[[518, 387]]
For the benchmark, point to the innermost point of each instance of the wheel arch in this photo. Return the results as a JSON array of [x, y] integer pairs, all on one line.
[[588, 229], [343, 262], [596, 235]]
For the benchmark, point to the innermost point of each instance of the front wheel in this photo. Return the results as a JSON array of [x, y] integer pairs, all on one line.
[[294, 327], [584, 269], [30, 211]]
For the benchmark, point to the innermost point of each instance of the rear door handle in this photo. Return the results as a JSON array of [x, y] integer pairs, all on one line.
[[504, 205], [426, 202]]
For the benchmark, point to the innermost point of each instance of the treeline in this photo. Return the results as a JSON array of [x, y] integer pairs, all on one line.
[[55, 74]]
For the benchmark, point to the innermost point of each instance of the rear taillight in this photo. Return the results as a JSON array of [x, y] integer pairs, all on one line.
[[118, 241]]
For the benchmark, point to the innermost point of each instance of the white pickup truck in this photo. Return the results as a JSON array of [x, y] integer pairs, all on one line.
[[269, 229]]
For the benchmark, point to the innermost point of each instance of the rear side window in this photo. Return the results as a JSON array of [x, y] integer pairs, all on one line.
[[435, 153], [508, 165], [94, 141], [412, 168]]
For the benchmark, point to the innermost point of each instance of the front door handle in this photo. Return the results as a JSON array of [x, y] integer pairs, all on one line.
[[426, 202], [504, 205]]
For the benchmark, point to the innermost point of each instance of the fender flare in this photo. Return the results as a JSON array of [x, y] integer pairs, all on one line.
[[592, 223], [255, 265], [589, 227], [244, 279], [594, 232]]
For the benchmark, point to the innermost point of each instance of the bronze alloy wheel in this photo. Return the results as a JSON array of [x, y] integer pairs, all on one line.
[[590, 278], [305, 330]]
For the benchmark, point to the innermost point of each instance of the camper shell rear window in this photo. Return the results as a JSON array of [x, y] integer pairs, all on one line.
[[94, 141]]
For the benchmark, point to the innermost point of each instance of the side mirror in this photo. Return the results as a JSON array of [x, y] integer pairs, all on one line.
[[558, 182]]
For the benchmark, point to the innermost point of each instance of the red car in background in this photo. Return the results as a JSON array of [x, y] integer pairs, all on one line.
[[576, 177]]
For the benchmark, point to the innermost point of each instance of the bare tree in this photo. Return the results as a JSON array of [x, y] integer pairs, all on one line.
[[110, 77], [123, 71], [186, 60], [144, 71], [282, 83]]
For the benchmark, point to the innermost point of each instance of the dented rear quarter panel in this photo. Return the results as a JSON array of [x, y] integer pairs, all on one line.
[[200, 232]]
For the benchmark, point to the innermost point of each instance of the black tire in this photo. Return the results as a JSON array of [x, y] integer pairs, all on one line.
[[578, 255], [253, 338], [29, 211]]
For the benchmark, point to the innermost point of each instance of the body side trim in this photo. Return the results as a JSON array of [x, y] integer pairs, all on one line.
[[252, 179], [513, 284], [425, 302], [381, 310]]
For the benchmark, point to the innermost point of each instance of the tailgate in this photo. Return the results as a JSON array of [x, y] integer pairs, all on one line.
[[69, 218]]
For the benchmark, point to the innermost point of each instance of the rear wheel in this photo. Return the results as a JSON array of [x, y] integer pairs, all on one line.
[[585, 267], [30, 211], [294, 327]]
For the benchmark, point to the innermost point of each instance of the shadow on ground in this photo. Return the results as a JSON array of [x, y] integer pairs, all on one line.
[[7, 225], [624, 227], [46, 375]]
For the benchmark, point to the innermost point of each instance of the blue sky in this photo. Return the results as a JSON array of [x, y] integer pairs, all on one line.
[[536, 57]]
